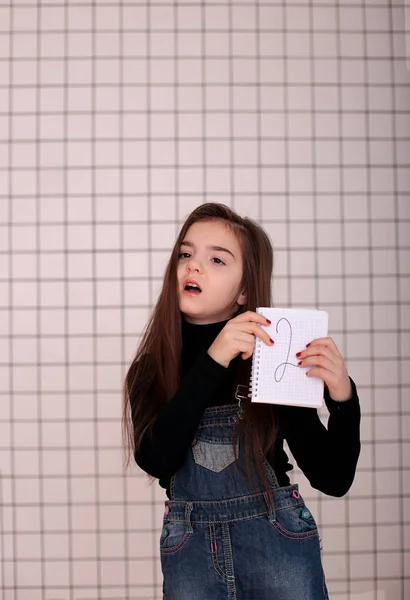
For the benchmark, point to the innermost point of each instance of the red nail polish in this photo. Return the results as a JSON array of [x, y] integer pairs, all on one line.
[[307, 345], [268, 322], [300, 362], [271, 341], [298, 354]]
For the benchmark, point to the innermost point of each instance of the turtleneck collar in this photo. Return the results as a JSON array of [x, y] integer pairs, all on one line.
[[196, 339], [200, 335]]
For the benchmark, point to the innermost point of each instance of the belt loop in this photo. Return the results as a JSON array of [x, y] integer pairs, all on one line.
[[188, 510], [270, 503]]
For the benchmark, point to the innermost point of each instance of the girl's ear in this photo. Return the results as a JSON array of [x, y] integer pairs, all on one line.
[[242, 299]]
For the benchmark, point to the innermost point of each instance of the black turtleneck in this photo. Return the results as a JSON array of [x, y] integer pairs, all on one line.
[[327, 457]]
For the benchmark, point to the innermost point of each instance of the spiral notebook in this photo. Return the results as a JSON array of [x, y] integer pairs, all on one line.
[[276, 377]]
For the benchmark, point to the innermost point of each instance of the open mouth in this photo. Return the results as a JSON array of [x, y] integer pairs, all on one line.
[[192, 288]]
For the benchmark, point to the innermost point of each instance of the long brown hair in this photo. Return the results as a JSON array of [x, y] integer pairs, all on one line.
[[154, 374]]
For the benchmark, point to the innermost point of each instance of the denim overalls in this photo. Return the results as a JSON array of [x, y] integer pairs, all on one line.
[[222, 539]]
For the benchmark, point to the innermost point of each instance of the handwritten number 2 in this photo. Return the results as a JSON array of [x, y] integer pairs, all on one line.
[[279, 377]]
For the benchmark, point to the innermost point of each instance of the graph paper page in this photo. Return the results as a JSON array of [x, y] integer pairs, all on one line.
[[276, 377]]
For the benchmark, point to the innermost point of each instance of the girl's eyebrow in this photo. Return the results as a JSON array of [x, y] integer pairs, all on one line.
[[215, 248]]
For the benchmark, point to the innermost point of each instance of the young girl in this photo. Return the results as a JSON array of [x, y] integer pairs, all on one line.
[[234, 528]]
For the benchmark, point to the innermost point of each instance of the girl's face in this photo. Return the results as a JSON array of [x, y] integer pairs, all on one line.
[[211, 258]]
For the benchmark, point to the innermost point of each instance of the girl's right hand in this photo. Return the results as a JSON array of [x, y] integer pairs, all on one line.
[[238, 337]]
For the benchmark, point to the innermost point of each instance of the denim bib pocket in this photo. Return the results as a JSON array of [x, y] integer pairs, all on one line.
[[212, 455]]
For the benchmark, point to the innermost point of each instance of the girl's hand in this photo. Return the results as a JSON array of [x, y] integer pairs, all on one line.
[[238, 337], [329, 366]]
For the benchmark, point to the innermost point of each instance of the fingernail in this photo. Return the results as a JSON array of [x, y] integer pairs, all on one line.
[[307, 345], [268, 322], [271, 341], [300, 362], [298, 354]]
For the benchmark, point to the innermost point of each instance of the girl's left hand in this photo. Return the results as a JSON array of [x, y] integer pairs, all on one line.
[[328, 364]]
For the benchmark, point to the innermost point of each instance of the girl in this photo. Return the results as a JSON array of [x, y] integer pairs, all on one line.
[[234, 528]]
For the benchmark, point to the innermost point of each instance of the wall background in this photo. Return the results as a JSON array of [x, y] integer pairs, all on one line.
[[117, 119]]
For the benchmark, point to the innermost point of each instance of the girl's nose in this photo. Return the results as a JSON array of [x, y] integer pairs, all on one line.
[[194, 265]]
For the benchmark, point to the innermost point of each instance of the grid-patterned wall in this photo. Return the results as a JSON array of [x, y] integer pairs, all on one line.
[[116, 120]]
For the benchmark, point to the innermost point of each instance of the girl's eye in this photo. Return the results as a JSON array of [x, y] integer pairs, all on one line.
[[217, 260]]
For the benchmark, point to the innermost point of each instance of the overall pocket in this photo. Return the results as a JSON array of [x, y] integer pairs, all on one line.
[[174, 536], [215, 456], [295, 522]]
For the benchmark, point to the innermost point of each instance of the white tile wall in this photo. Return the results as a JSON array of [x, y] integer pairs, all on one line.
[[116, 120]]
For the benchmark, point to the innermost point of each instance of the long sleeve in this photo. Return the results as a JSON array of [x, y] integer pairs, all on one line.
[[327, 457], [162, 453]]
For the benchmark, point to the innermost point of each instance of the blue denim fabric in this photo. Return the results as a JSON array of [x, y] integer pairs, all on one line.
[[226, 539]]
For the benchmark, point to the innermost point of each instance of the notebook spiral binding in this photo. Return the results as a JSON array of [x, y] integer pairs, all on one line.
[[254, 378]]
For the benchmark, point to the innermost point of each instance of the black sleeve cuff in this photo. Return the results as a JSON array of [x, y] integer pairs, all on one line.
[[213, 369], [347, 405]]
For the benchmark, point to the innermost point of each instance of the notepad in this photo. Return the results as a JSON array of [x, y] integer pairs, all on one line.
[[276, 377]]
